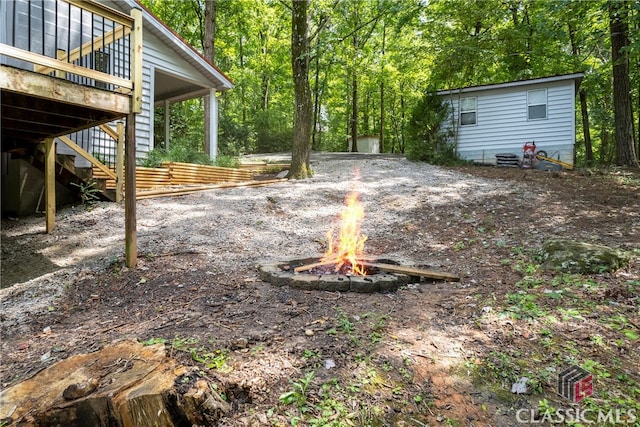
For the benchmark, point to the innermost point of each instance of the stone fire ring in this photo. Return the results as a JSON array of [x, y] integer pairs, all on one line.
[[281, 273]]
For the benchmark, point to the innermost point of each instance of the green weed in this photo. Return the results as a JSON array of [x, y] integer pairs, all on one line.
[[298, 395]]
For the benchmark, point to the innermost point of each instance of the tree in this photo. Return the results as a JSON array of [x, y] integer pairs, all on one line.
[[619, 28], [301, 147]]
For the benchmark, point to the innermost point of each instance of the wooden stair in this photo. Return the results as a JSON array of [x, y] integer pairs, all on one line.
[[72, 178]]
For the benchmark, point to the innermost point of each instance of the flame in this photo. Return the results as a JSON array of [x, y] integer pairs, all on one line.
[[347, 247]]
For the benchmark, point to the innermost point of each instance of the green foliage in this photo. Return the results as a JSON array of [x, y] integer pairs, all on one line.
[[227, 161], [392, 49], [428, 140], [299, 393], [88, 193], [175, 153]]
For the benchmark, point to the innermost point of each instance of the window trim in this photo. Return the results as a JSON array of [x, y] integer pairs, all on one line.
[[530, 104], [474, 111]]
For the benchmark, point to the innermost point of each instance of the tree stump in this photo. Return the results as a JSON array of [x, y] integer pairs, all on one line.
[[126, 384]]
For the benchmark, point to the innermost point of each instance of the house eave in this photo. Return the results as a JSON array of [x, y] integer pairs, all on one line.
[[543, 80], [155, 26]]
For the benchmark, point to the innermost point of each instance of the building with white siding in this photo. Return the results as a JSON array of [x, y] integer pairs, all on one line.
[[500, 118], [172, 70]]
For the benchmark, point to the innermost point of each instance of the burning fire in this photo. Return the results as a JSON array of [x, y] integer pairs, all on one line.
[[346, 248]]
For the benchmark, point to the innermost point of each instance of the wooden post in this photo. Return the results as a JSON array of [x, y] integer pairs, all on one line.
[[60, 55], [167, 124], [120, 162], [131, 241], [50, 183], [213, 124], [136, 58]]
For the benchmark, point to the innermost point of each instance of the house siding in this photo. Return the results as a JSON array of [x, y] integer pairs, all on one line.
[[502, 125], [156, 55], [46, 38]]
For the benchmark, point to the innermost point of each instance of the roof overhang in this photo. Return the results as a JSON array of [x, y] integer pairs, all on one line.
[[577, 77], [216, 79]]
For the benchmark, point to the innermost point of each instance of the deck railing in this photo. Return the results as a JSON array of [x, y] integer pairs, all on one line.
[[77, 40]]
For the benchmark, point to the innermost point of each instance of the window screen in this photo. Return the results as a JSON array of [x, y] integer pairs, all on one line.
[[537, 104], [468, 111]]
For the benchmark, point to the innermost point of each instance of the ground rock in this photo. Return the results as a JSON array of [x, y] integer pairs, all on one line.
[[571, 256]]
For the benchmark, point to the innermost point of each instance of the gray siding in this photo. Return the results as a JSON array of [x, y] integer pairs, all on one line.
[[503, 127]]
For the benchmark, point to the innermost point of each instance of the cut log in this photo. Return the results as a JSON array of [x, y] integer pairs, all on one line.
[[413, 271], [126, 384]]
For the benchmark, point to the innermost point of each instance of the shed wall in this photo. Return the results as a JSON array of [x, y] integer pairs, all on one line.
[[503, 127]]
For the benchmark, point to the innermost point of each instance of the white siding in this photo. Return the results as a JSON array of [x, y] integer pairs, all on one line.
[[156, 55], [502, 124]]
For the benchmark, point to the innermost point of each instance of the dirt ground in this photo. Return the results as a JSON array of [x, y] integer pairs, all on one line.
[[430, 353]]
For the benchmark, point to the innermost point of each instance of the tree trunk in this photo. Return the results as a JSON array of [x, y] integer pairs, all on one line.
[[354, 99], [575, 50], [354, 113], [209, 53], [624, 135], [588, 148], [381, 140], [301, 147], [315, 137], [403, 120], [381, 136], [123, 384]]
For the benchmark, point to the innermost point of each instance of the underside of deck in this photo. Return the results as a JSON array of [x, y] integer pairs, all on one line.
[[36, 106]]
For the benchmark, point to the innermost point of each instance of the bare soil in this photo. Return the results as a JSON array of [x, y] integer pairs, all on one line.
[[429, 353]]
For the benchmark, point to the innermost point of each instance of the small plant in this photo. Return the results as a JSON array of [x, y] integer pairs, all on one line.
[[525, 268], [182, 344], [215, 360], [622, 324], [298, 395], [523, 306], [459, 246], [88, 192], [310, 354], [346, 325], [154, 341]]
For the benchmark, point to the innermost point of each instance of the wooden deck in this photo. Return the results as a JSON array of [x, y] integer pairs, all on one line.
[[49, 93]]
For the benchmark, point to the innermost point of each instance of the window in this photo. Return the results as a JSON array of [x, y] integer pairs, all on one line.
[[537, 104], [468, 111]]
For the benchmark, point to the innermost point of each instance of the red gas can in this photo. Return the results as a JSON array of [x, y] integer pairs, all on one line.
[[528, 154]]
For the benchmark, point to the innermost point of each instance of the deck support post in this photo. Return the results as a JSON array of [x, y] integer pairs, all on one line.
[[120, 162], [213, 124], [167, 124], [131, 240], [50, 183]]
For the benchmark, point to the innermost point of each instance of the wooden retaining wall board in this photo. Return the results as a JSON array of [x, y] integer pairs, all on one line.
[[181, 191], [174, 173], [262, 167], [187, 173]]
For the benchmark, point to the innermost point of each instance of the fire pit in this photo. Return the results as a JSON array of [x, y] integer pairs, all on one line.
[[344, 266], [282, 273]]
